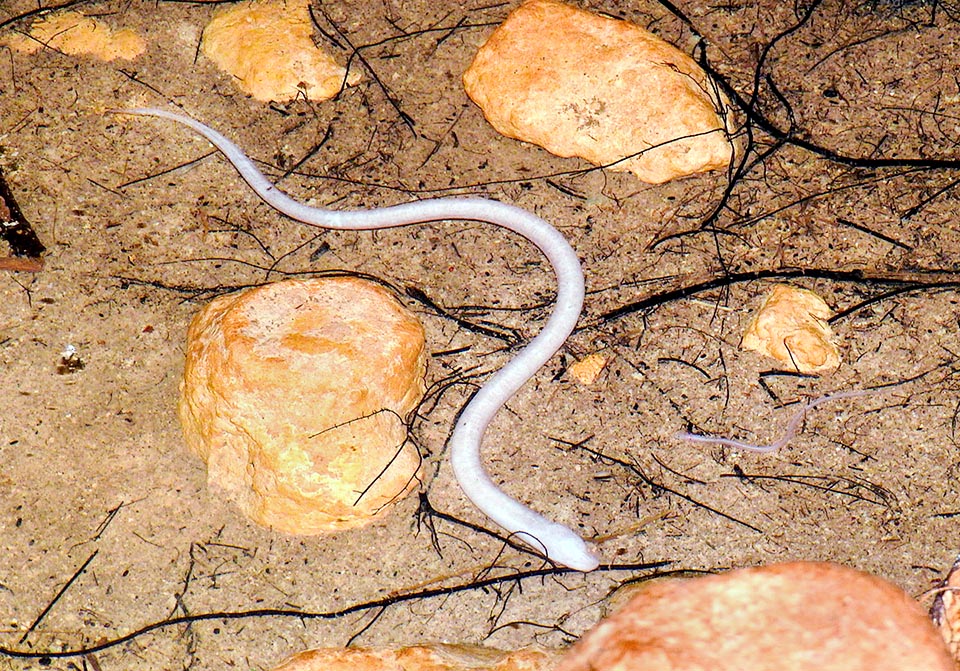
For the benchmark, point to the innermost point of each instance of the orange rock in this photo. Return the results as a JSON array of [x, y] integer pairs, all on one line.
[[588, 369], [296, 393], [78, 35], [579, 84], [267, 45], [791, 326], [802, 616], [420, 658]]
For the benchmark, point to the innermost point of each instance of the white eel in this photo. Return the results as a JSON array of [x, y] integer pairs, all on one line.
[[560, 544]]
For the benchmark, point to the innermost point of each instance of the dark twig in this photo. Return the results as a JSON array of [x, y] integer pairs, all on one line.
[[356, 53], [875, 234], [53, 602], [907, 214], [904, 282], [16, 231], [321, 615], [166, 171], [636, 470], [507, 335], [833, 482], [40, 11]]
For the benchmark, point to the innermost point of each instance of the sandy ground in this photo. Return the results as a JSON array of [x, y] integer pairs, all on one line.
[[143, 224]]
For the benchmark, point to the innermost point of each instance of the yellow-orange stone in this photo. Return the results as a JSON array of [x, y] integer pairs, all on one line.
[[296, 394], [78, 35], [792, 327], [800, 616], [608, 91], [267, 45], [588, 369], [420, 658]]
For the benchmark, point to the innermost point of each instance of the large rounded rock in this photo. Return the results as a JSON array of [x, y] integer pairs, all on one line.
[[802, 616], [608, 91], [268, 48], [296, 394]]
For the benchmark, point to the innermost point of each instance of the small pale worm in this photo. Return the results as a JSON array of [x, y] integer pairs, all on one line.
[[792, 425], [559, 543]]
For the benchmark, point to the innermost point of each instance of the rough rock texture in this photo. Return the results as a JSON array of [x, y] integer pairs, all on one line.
[[78, 35], [583, 85], [295, 395], [792, 327], [420, 658], [267, 45], [784, 617]]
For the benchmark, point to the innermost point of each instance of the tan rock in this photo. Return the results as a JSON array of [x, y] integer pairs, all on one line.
[[78, 35], [267, 45], [420, 658], [579, 84], [791, 326], [588, 369], [801, 616], [295, 394]]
